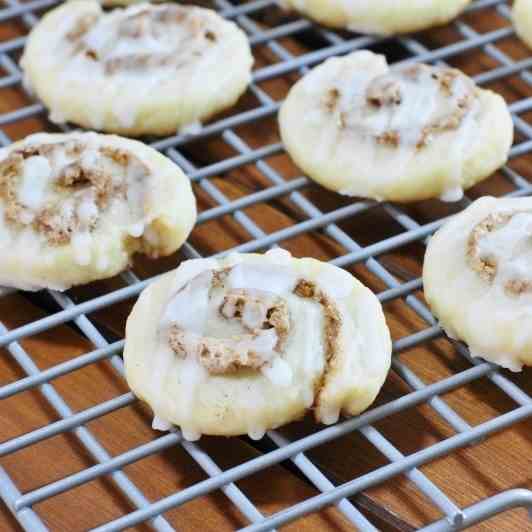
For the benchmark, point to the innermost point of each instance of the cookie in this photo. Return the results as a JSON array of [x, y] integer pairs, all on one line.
[[251, 342], [145, 69], [382, 17], [478, 281], [405, 133], [75, 207], [522, 19]]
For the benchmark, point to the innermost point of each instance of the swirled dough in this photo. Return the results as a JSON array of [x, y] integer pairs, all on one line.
[[478, 279], [383, 17], [361, 128], [251, 342], [75, 207], [522, 19], [146, 69]]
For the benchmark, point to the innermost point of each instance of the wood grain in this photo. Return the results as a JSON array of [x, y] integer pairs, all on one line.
[[501, 462]]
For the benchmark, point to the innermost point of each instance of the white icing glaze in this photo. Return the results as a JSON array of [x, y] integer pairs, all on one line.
[[277, 279], [136, 230], [81, 247], [279, 372], [336, 283], [265, 343], [279, 256], [159, 423], [34, 182], [189, 308], [57, 117], [190, 434], [257, 433], [311, 315], [452, 194], [87, 210], [329, 416]]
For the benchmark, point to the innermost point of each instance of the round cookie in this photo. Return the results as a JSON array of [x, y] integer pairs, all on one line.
[[522, 19], [382, 17], [251, 342], [146, 69], [361, 128], [75, 207], [478, 281]]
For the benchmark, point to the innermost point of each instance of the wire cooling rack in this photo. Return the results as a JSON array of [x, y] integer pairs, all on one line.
[[269, 30]]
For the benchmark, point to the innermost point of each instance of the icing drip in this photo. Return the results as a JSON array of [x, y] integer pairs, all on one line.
[[160, 424], [330, 416], [452, 194], [257, 433]]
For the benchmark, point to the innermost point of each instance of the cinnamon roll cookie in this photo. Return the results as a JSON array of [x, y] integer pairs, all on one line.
[[146, 69], [522, 19], [251, 342], [383, 17], [413, 132], [75, 207], [478, 279]]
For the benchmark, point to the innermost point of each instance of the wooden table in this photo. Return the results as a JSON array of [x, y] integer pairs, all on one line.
[[501, 462]]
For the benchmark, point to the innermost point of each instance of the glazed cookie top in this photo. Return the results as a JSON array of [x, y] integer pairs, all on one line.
[[410, 130], [160, 39], [237, 326], [62, 188], [135, 59], [404, 107], [250, 342]]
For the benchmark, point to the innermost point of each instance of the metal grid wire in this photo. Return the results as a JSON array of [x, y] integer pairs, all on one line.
[[313, 219]]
